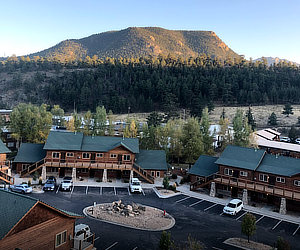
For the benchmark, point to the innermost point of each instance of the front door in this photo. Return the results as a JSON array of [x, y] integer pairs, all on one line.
[[61, 172], [272, 180], [63, 157], [93, 158], [120, 159]]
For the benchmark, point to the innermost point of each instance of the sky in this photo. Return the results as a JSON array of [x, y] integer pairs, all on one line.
[[253, 28]]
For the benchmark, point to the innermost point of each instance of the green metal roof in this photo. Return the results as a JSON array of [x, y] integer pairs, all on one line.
[[3, 148], [152, 159], [204, 166], [279, 165], [62, 140], [30, 153], [107, 143], [240, 157], [14, 206]]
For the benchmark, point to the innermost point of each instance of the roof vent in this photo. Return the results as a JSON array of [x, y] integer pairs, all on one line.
[[276, 156]]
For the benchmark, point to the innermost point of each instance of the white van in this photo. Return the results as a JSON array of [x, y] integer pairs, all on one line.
[[135, 185]]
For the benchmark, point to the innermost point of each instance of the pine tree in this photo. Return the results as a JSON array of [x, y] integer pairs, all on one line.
[[272, 119], [251, 120], [288, 109]]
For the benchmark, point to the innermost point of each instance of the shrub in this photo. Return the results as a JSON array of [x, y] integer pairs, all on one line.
[[174, 176], [282, 244], [184, 179], [172, 187], [165, 241], [166, 182]]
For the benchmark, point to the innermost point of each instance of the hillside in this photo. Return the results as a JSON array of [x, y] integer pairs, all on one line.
[[136, 42]]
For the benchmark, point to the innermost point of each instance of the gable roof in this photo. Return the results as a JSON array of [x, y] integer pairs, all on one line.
[[277, 144], [240, 157], [13, 207], [152, 160], [30, 153], [107, 143], [266, 134], [62, 140], [204, 166], [279, 165], [3, 148]]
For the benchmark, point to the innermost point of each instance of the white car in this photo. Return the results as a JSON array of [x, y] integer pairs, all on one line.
[[22, 188], [82, 231], [233, 207], [297, 140], [66, 184], [135, 185]]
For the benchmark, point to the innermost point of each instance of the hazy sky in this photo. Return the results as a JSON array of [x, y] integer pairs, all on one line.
[[253, 28]]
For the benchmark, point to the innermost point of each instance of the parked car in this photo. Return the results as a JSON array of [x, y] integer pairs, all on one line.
[[285, 139], [233, 207], [66, 184], [22, 188], [297, 140], [49, 185], [82, 231], [52, 178], [135, 185]]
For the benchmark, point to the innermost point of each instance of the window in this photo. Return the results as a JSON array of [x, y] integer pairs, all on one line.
[[113, 156], [263, 177], [126, 157], [280, 179], [25, 166], [85, 155], [70, 154], [244, 173], [297, 183], [61, 238], [8, 136], [55, 155], [10, 144], [157, 174], [84, 170], [152, 173], [99, 155], [228, 171]]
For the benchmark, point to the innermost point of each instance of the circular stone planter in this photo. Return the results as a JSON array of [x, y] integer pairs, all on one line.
[[152, 219]]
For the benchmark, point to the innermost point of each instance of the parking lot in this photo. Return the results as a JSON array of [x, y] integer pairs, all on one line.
[[272, 224], [202, 219]]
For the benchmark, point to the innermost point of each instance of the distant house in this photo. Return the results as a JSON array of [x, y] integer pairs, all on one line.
[[27, 223], [5, 175]]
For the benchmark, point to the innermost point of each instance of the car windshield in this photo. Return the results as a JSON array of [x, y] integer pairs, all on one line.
[[231, 205], [66, 181], [49, 182], [136, 184], [67, 178]]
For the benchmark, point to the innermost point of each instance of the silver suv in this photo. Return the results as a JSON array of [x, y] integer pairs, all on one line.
[[66, 184]]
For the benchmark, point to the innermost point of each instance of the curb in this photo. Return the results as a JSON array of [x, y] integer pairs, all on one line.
[[165, 196], [128, 226]]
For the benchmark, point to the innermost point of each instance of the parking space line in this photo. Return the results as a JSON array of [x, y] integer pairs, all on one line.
[[115, 190], [196, 203], [72, 190], [259, 219], [240, 216], [221, 213], [210, 207], [128, 191], [296, 230], [100, 190], [87, 188], [143, 192], [111, 246], [134, 248], [277, 224], [183, 199], [58, 189]]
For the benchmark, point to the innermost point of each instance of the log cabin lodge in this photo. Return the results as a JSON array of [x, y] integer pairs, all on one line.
[[264, 176], [103, 157]]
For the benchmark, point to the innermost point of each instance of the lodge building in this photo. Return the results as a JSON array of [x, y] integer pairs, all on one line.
[[103, 157], [266, 177]]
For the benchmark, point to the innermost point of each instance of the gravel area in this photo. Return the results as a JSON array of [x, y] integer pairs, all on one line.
[[131, 215]]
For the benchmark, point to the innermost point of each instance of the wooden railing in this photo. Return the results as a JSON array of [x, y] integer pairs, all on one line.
[[7, 178], [286, 192], [143, 173], [32, 168]]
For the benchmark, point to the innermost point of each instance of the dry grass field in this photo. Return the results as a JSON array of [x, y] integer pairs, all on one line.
[[260, 113]]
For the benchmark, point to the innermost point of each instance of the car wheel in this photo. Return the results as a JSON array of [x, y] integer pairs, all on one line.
[[23, 192]]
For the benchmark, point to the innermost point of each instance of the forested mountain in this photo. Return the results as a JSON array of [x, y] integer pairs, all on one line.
[[147, 84], [136, 42]]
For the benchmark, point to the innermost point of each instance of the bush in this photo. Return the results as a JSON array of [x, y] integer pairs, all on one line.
[[174, 176], [172, 187], [165, 241], [35, 176], [166, 182], [282, 244]]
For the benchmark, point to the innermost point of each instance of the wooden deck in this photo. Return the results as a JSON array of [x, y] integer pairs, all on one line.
[[288, 193]]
